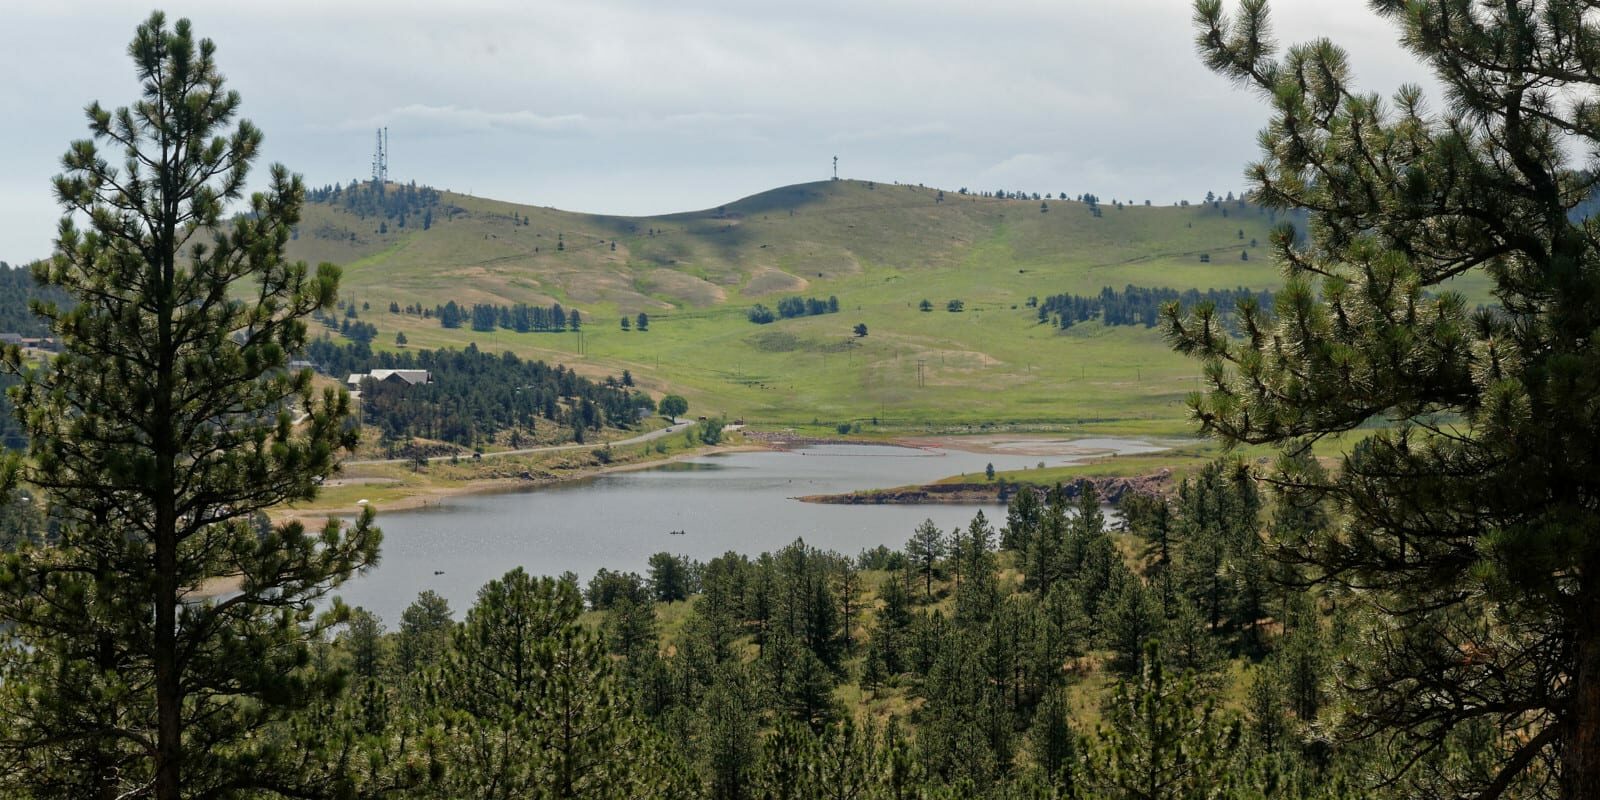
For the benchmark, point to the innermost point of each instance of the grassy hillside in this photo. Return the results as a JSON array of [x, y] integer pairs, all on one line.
[[879, 248]]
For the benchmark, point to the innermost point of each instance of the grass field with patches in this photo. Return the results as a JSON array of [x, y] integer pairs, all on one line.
[[880, 248], [1182, 460]]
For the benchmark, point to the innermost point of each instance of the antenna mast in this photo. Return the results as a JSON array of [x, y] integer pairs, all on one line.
[[380, 158]]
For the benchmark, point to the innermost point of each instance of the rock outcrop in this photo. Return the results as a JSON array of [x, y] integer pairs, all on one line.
[[1110, 488]]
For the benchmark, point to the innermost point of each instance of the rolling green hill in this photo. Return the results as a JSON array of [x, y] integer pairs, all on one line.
[[880, 248]]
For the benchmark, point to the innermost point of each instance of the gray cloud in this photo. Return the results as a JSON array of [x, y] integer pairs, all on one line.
[[633, 106]]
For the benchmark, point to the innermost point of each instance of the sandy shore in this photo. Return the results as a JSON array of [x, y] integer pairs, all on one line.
[[316, 515]]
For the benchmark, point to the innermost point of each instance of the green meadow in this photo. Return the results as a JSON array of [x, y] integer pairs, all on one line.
[[879, 248]]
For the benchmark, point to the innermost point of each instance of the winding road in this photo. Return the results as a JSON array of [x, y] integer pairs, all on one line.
[[675, 427]]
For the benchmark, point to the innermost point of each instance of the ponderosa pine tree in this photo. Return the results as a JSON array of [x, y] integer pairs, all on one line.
[[423, 639], [1130, 617], [924, 550], [1470, 521], [1053, 744], [1042, 561], [1022, 518], [164, 426], [533, 704], [730, 736], [1162, 740]]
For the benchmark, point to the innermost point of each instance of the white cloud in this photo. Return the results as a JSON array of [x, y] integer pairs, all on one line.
[[454, 119], [634, 106]]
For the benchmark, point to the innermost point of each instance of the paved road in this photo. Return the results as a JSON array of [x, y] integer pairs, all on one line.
[[643, 437]]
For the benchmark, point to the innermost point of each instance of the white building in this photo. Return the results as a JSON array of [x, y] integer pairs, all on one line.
[[409, 377]]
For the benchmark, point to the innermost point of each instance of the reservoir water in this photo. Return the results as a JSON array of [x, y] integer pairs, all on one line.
[[734, 501]]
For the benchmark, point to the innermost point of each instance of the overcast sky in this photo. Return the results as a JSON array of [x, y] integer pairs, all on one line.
[[642, 106]]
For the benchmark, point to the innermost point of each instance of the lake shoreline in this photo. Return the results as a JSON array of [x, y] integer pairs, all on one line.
[[944, 492], [432, 496], [1111, 489], [700, 508]]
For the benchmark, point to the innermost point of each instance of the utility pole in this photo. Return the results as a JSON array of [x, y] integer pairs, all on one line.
[[836, 168]]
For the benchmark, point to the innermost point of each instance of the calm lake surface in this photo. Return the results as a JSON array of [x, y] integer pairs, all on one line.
[[735, 501]]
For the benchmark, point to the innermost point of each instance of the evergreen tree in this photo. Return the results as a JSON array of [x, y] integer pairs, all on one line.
[[978, 595], [801, 683], [1022, 519], [963, 713], [847, 587], [1150, 518], [1053, 744], [155, 437], [591, 746], [363, 639], [1303, 661], [1216, 523], [728, 728], [495, 672], [669, 577], [535, 703], [1062, 631], [1161, 740], [631, 630], [1469, 525], [891, 637], [424, 636], [1089, 522], [847, 762], [923, 551], [788, 763], [1188, 645], [1131, 620]]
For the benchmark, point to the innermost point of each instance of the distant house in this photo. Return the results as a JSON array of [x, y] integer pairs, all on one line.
[[408, 377], [33, 342], [297, 365]]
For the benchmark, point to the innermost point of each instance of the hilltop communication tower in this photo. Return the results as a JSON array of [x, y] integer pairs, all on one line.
[[380, 158]]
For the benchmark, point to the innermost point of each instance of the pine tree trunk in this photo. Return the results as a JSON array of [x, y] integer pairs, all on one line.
[[1580, 779], [104, 761], [169, 700], [169, 681]]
